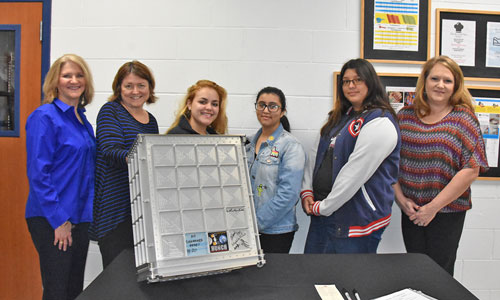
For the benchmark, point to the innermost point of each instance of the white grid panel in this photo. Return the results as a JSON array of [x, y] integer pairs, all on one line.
[[195, 211]]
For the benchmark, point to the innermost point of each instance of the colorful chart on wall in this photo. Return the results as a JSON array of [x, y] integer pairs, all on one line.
[[395, 30]]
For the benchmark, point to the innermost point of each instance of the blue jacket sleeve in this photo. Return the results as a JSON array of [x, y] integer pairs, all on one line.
[[110, 137], [290, 173], [41, 148]]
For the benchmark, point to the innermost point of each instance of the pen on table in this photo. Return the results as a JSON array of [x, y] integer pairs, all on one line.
[[356, 294], [346, 293]]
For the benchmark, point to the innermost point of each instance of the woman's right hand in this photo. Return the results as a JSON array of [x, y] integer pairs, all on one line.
[[407, 205], [307, 203], [62, 236]]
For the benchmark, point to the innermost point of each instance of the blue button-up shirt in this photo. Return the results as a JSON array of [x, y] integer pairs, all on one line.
[[60, 164], [276, 175]]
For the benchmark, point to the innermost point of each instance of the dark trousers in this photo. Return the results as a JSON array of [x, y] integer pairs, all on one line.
[[115, 241], [62, 271], [439, 240], [276, 243]]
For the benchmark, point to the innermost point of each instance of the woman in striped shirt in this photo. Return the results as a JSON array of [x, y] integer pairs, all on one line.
[[118, 123], [442, 153]]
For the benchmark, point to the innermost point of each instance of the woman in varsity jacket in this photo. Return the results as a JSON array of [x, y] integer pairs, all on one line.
[[347, 186], [118, 123]]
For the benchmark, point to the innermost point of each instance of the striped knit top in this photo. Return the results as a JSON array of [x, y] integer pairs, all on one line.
[[116, 132], [431, 154]]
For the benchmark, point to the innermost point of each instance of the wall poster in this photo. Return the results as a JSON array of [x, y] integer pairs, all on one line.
[[395, 30], [472, 39]]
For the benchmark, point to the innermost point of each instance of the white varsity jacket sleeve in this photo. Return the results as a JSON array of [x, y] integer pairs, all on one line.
[[309, 168], [376, 140]]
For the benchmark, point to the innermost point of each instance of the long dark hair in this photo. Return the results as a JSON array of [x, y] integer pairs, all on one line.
[[281, 95], [375, 98]]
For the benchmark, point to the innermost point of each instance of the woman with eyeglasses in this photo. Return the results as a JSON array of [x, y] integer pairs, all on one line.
[[202, 111], [347, 187], [276, 162], [118, 123]]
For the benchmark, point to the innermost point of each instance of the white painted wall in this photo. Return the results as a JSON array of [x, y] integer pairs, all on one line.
[[295, 45]]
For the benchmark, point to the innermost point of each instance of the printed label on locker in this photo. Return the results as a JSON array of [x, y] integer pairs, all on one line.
[[218, 241], [196, 244]]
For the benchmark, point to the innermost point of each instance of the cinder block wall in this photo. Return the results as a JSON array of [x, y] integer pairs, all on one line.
[[295, 45]]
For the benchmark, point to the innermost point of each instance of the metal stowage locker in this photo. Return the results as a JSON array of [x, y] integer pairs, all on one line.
[[192, 208]]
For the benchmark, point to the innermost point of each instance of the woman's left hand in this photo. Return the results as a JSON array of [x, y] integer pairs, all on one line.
[[424, 215], [62, 236]]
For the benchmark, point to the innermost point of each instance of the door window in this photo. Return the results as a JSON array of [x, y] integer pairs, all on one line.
[[9, 79]]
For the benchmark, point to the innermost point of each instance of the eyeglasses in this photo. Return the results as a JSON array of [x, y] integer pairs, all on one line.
[[347, 82], [272, 107]]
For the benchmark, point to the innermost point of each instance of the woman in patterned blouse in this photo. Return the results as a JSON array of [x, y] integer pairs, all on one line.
[[442, 153]]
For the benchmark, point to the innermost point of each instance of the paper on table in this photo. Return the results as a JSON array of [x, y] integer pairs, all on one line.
[[328, 292], [406, 294]]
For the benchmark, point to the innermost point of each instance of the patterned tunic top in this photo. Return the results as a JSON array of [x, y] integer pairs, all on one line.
[[431, 154], [116, 133]]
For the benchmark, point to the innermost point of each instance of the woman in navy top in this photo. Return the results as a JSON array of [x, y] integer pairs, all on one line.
[[60, 147], [118, 123], [202, 111]]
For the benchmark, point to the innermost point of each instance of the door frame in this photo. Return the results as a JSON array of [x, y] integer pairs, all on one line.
[[46, 19]]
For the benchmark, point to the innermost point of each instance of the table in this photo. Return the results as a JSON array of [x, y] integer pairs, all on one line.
[[287, 277]]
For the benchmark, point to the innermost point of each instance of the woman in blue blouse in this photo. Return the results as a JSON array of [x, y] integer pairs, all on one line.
[[118, 123], [60, 147], [276, 161]]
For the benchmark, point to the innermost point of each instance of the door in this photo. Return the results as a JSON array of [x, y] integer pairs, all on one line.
[[20, 275]]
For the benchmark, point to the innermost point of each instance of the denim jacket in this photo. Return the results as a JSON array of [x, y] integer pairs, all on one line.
[[276, 175]]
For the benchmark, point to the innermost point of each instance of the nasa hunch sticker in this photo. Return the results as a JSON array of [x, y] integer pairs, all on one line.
[[218, 241], [355, 126]]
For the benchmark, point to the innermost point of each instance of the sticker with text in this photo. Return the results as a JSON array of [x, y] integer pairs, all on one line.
[[196, 244], [218, 241]]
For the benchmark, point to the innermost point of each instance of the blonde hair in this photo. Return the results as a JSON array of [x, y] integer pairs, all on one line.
[[220, 123], [460, 96], [52, 79]]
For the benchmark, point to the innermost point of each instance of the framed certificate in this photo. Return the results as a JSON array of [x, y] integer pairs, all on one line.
[[472, 39]]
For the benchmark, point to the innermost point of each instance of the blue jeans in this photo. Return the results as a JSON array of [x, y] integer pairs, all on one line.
[[323, 237]]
